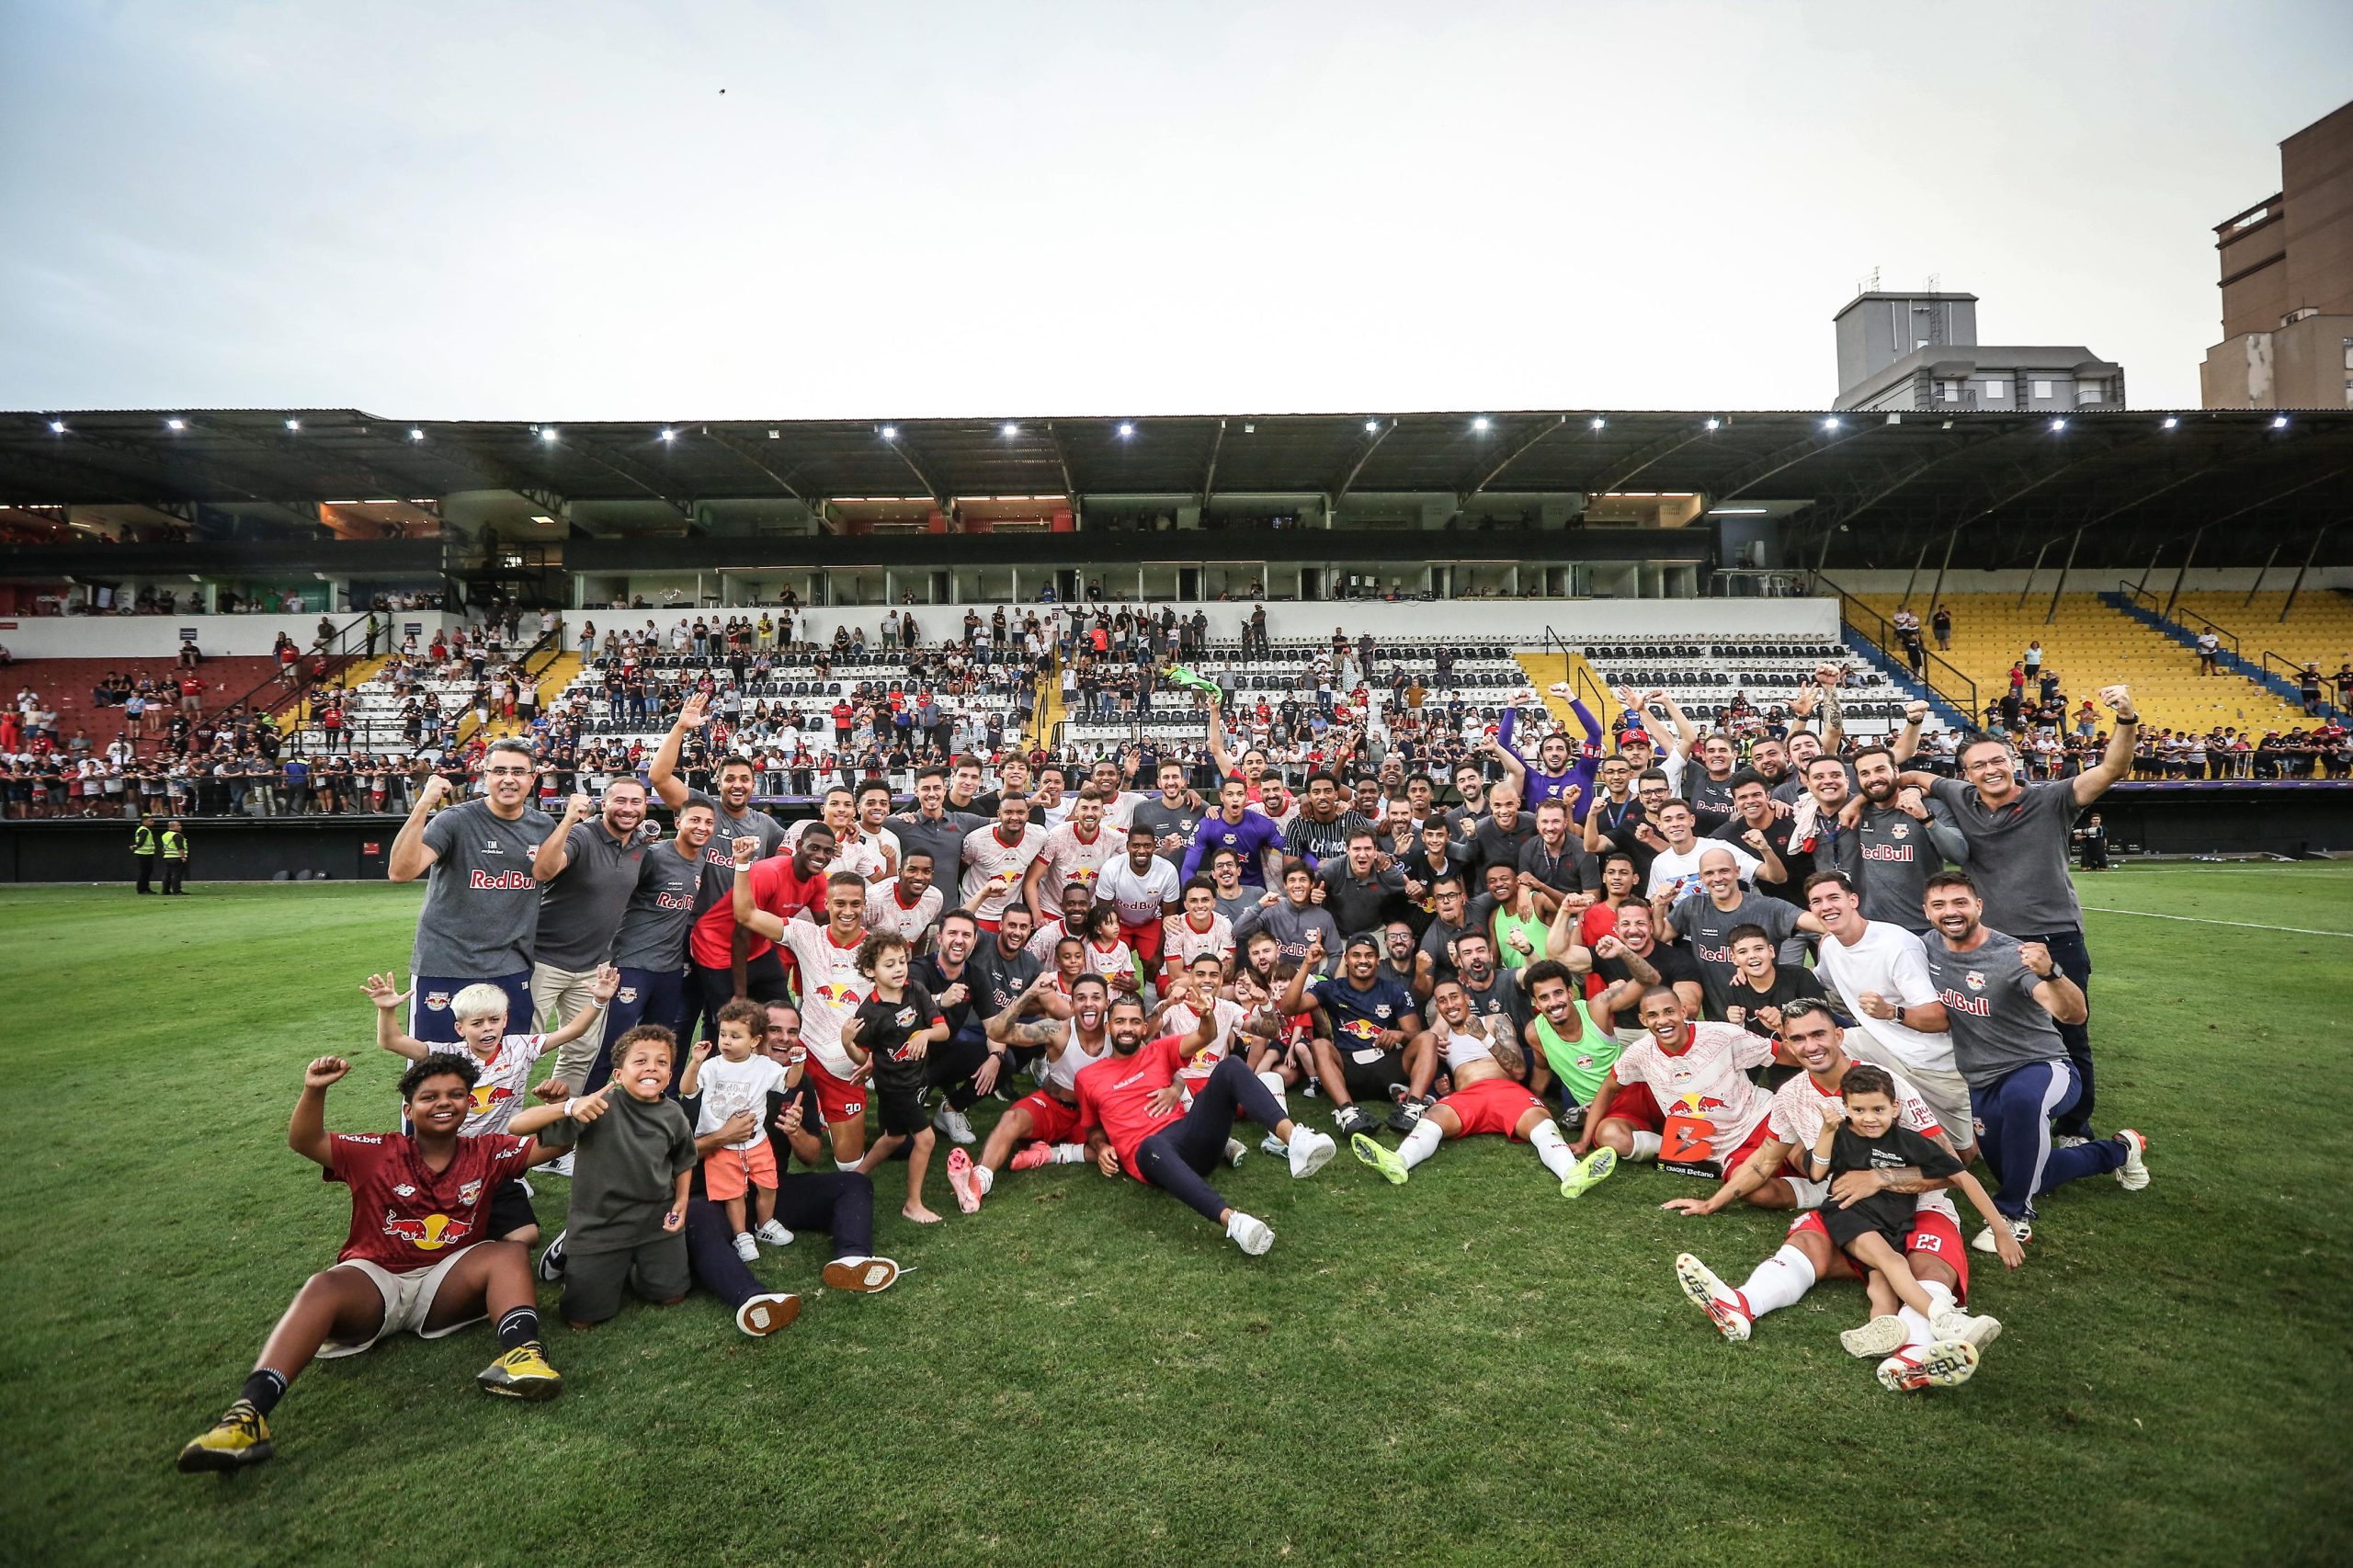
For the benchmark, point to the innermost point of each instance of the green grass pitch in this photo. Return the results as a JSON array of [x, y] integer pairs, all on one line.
[[1466, 1368]]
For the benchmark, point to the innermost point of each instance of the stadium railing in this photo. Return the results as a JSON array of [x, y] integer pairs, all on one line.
[[1944, 680], [335, 646]]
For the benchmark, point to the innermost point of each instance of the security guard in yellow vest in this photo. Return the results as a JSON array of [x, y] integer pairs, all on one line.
[[143, 846], [174, 856]]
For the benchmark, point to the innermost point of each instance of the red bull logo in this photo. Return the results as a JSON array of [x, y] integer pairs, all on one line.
[[1699, 1106], [430, 1233], [437, 1000], [1362, 1029], [836, 992], [489, 1095]]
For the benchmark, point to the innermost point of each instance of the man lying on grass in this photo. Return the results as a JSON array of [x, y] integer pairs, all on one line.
[[416, 1258]]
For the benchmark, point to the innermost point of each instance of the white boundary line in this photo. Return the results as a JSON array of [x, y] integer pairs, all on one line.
[[2200, 920]]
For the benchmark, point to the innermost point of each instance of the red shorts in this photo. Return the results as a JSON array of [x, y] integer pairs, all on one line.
[[1491, 1106], [838, 1099], [1050, 1120], [1932, 1233], [727, 1171], [1143, 940], [1634, 1103]]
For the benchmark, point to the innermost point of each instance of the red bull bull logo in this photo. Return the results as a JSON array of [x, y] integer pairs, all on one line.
[[428, 1232], [489, 1095], [836, 992], [1362, 1029]]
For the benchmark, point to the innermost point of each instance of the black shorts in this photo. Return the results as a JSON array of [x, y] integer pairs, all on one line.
[[510, 1208], [1847, 1226], [1367, 1073], [900, 1108]]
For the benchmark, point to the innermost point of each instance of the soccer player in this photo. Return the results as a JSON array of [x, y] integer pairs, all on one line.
[[1384, 1054], [1043, 1125], [1564, 1039], [831, 990], [1681, 1096], [733, 814], [1131, 1096], [1902, 838], [1487, 1069], [1881, 974], [2003, 999], [1253, 836], [1199, 928], [1553, 776], [2017, 834], [908, 905], [482, 902], [1142, 887], [1071, 855], [676, 882], [416, 1258], [998, 859], [731, 958]]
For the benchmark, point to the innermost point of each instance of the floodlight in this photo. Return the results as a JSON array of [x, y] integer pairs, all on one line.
[[294, 425], [175, 423]]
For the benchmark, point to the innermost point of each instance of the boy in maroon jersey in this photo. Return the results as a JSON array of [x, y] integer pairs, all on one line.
[[415, 1258]]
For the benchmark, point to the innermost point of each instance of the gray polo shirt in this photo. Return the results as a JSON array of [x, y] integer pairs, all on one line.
[[670, 890], [754, 823], [480, 917], [2018, 854], [941, 837], [1706, 931], [1896, 855], [581, 909], [1997, 1025]]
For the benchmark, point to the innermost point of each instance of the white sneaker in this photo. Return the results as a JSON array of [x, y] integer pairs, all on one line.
[[954, 1126], [2133, 1174], [1880, 1338], [1234, 1151], [1983, 1240], [560, 1166], [1974, 1328], [1309, 1150], [865, 1276], [746, 1248], [1713, 1297], [775, 1235], [1270, 1144], [2068, 1141], [765, 1315], [1253, 1236]]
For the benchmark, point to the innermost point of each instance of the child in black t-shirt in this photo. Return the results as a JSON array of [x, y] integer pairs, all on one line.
[[1860, 1133], [890, 1035]]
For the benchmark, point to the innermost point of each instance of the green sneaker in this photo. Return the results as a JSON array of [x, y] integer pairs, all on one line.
[[1590, 1169], [1379, 1158]]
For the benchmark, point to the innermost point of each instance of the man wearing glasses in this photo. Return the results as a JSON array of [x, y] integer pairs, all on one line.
[[482, 902]]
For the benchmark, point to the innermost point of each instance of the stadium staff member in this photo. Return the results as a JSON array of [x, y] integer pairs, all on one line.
[[480, 917], [2017, 836], [143, 847], [587, 870], [174, 856]]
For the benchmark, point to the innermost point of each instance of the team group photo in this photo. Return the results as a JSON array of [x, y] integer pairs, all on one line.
[[820, 906]]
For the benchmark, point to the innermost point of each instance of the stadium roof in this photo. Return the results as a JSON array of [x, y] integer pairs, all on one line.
[[2138, 473]]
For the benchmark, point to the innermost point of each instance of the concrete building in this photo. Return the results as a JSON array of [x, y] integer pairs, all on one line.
[[1907, 352], [2287, 265]]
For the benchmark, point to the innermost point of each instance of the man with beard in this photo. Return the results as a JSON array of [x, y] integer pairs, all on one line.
[[480, 917], [1131, 1096], [1630, 959], [676, 882], [1706, 918], [587, 873], [1376, 1049], [998, 859], [1043, 1127], [734, 817], [1071, 855], [1487, 1067], [1556, 774], [1549, 863], [1503, 832], [1324, 823], [1172, 815], [1754, 816], [947, 974], [907, 904], [1902, 837]]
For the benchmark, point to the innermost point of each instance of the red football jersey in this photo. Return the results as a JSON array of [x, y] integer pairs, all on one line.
[[405, 1216]]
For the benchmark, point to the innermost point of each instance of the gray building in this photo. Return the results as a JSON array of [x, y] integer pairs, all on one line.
[[1919, 352]]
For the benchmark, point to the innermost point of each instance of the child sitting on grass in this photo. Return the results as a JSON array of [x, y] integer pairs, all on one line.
[[888, 1036], [629, 1184], [739, 1082], [504, 1062]]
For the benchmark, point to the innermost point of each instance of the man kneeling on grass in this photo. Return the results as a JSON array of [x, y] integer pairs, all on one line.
[[1132, 1097], [416, 1257], [1486, 1067]]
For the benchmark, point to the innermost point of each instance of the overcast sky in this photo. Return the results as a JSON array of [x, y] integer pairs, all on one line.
[[722, 209]]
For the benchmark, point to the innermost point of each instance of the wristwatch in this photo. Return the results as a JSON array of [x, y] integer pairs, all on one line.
[[1897, 1017]]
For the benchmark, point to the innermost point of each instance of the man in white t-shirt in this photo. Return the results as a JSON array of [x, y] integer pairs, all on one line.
[[1681, 1095], [1933, 1249], [1674, 870], [1880, 974]]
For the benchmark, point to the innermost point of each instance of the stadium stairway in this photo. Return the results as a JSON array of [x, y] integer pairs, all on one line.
[[2318, 630], [2089, 644], [2245, 668], [1048, 706], [358, 673], [1900, 672], [1546, 670], [558, 673]]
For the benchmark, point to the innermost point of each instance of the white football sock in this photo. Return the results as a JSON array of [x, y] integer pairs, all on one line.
[[1915, 1327], [984, 1178], [1550, 1148], [1069, 1155], [1778, 1282], [1420, 1143], [1940, 1300], [1810, 1193], [1277, 1087], [1646, 1146], [846, 1166]]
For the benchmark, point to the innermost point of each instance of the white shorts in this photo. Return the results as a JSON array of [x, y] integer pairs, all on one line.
[[408, 1301]]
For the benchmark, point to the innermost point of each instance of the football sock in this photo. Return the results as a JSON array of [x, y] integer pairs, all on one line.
[[1277, 1087], [1420, 1143], [848, 1167], [1550, 1148], [1778, 1282], [1810, 1193], [984, 1178], [517, 1326], [1939, 1299], [1915, 1327], [1069, 1155], [1646, 1146], [263, 1389]]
